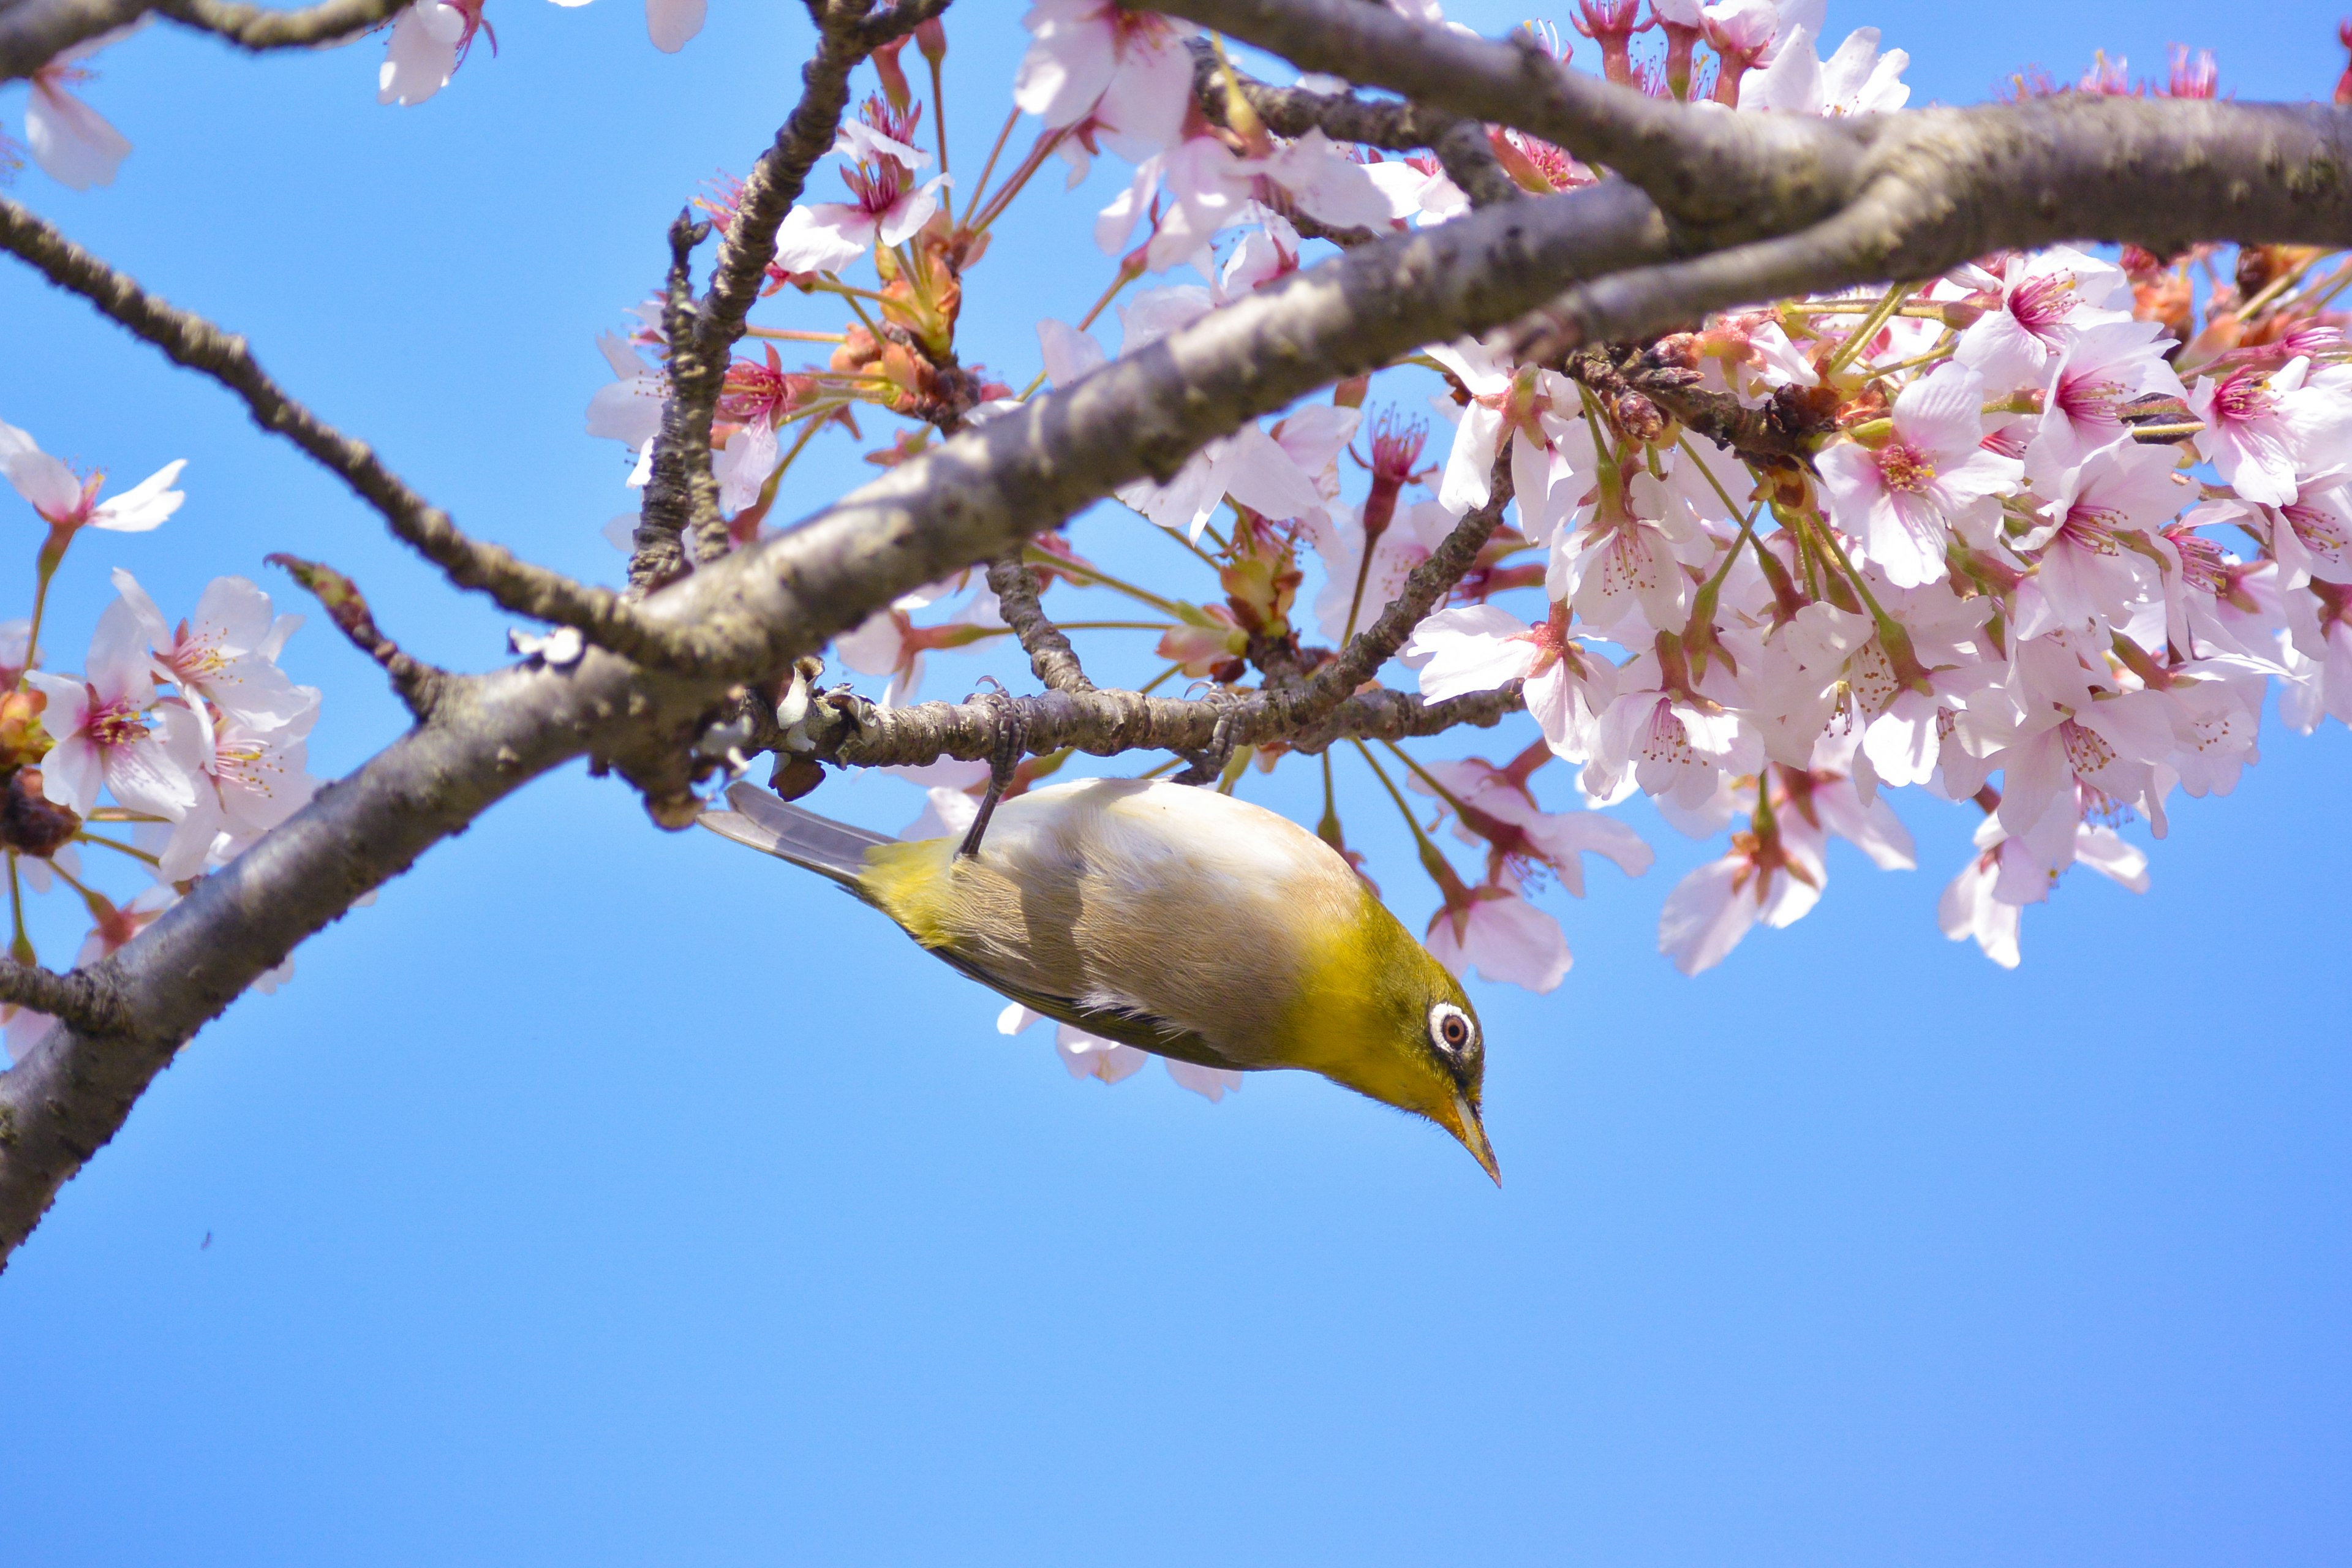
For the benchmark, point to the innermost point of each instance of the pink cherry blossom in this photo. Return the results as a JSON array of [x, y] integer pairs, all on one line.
[[226, 652], [1536, 410], [2043, 302], [889, 208], [72, 143], [1857, 80], [1710, 910], [67, 501], [1666, 737], [1508, 940], [1986, 900], [1503, 816], [430, 41], [1477, 648], [1905, 497], [2099, 370], [107, 732], [2089, 569], [1208, 189], [1084, 51], [2317, 650]]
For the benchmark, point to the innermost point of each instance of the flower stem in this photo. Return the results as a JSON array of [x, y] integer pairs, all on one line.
[[990, 167], [124, 848], [1860, 337], [20, 947]]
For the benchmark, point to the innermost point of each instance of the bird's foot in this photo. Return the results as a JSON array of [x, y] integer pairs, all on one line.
[[1011, 745]]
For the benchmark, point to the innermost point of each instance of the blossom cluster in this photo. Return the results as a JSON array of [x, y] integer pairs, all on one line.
[[2035, 536], [186, 739]]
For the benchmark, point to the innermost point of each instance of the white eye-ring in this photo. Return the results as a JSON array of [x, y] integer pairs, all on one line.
[[1451, 1029]]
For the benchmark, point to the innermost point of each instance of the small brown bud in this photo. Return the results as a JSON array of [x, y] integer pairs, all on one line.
[[1678, 351], [1639, 418], [30, 822]]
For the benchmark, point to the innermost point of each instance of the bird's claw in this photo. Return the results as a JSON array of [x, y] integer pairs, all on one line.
[[1011, 745]]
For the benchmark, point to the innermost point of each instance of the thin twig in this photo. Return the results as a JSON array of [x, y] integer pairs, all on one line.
[[1051, 655], [419, 684], [191, 340]]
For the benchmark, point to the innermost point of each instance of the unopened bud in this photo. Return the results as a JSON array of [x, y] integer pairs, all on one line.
[[1675, 351], [894, 76], [30, 822], [1350, 393], [931, 40], [1639, 418]]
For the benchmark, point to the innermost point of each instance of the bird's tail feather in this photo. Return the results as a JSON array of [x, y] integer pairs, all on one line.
[[777, 827]]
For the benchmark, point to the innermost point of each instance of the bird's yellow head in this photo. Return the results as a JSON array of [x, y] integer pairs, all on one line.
[[1383, 1017]]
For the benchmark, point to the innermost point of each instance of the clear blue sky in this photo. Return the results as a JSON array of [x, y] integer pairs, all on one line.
[[602, 1196]]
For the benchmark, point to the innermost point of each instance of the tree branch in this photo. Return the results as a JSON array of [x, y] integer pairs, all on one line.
[[1947, 184], [980, 492], [1303, 707], [190, 340], [1051, 657], [255, 28], [86, 999], [417, 683], [849, 730], [35, 32]]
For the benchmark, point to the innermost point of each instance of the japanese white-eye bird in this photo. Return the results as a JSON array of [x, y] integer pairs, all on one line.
[[1170, 917]]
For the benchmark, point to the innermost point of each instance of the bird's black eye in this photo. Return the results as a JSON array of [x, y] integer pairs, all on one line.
[[1451, 1029]]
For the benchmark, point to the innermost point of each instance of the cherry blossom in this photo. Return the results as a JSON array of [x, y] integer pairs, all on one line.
[[1857, 80], [2087, 571], [1083, 52], [889, 208], [430, 41], [1494, 807], [1479, 646], [2039, 304], [226, 652], [1506, 939], [67, 503], [107, 731], [1986, 900], [2100, 369], [72, 143], [1536, 410], [1928, 477]]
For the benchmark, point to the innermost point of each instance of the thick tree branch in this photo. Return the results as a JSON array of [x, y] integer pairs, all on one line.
[[1051, 657], [1705, 170], [1947, 184], [981, 491], [256, 29]]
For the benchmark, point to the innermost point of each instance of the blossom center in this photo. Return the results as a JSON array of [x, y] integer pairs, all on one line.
[[2042, 304], [1906, 468], [113, 723]]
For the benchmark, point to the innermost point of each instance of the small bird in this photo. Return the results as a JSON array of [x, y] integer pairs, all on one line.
[[1173, 918]]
